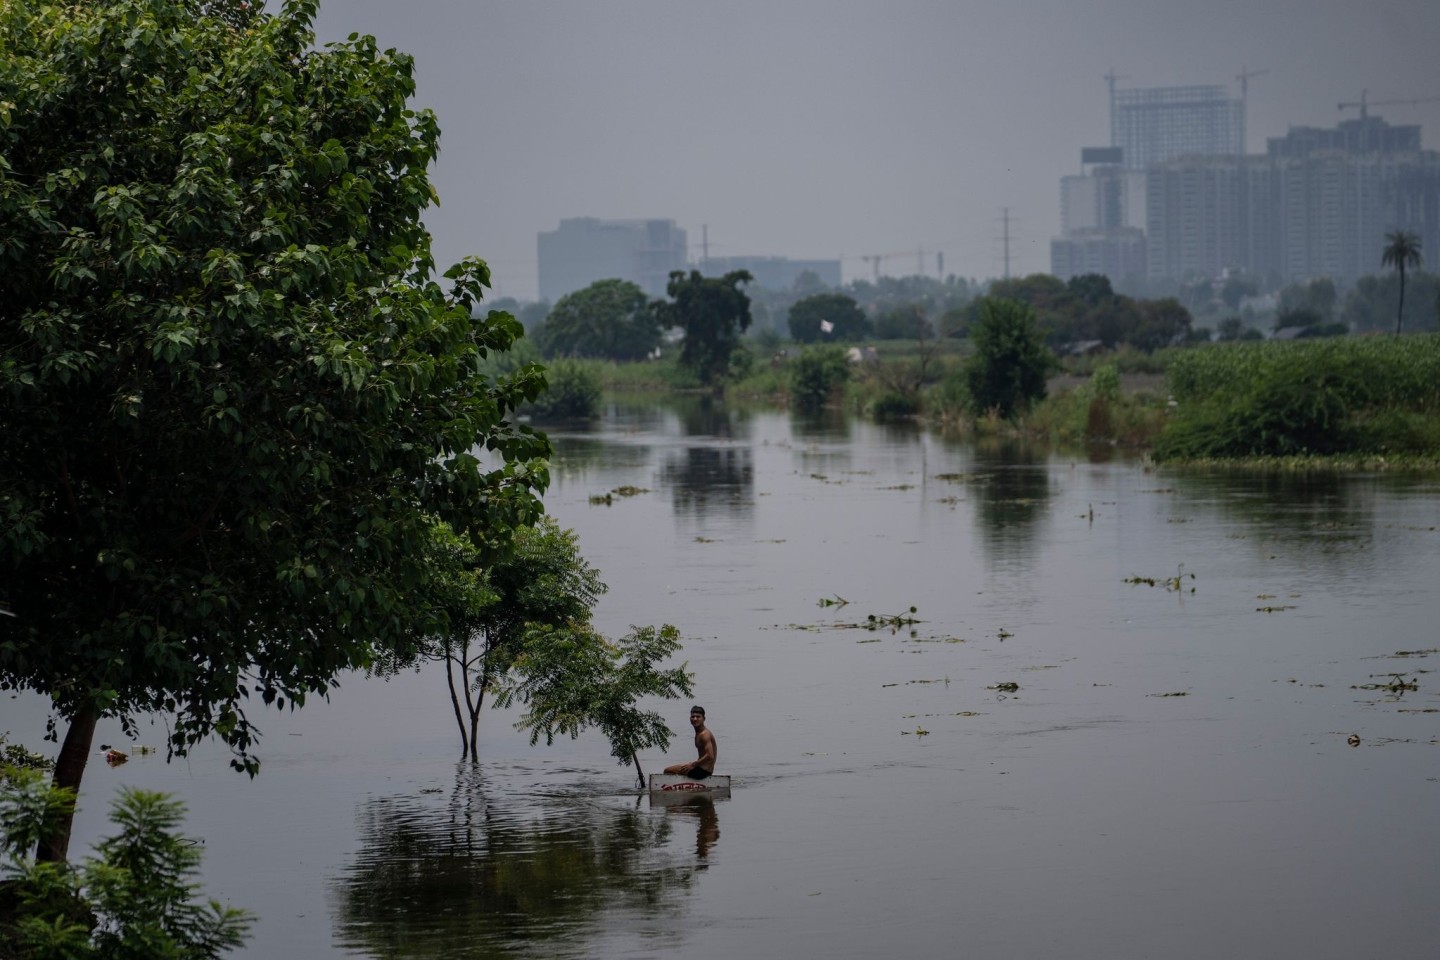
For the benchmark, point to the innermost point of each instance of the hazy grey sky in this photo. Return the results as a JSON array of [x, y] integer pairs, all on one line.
[[843, 128]]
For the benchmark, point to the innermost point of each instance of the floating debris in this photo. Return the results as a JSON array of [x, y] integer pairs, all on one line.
[[1009, 686], [1177, 693], [894, 620], [601, 499], [1169, 583], [918, 731], [115, 757], [835, 601], [629, 491], [1353, 740], [1276, 609], [957, 477], [1397, 684]]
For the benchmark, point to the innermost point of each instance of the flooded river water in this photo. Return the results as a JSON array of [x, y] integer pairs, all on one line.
[[1069, 754]]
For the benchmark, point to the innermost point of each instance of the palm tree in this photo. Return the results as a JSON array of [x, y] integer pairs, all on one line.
[[1402, 249]]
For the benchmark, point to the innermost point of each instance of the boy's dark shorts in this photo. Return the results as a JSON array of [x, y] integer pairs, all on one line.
[[697, 774]]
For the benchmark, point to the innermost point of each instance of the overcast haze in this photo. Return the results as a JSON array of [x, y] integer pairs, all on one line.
[[844, 128]]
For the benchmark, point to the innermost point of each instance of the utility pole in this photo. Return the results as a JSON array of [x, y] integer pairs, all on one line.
[[705, 247]]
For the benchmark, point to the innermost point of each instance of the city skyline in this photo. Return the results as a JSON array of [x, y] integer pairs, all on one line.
[[845, 129]]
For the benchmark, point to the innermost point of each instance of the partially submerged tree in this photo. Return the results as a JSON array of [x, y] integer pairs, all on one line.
[[713, 312], [1402, 251], [233, 398], [572, 679], [1007, 371], [485, 610]]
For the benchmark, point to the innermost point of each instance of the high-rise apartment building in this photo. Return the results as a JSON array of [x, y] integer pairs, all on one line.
[[1101, 211], [1156, 124], [1318, 203], [586, 249]]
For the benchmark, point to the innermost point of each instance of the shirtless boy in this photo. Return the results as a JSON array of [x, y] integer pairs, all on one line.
[[704, 765]]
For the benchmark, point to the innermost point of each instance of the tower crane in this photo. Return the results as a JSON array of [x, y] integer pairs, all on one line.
[[874, 259], [1364, 104]]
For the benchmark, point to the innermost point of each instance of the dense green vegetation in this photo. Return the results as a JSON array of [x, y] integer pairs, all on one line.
[[135, 897], [1365, 395], [713, 312], [234, 396], [610, 319]]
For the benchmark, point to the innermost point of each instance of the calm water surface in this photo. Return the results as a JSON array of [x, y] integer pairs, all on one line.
[[1172, 777]]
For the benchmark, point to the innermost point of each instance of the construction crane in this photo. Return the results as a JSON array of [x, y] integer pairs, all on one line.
[[875, 258], [1364, 104], [1244, 77]]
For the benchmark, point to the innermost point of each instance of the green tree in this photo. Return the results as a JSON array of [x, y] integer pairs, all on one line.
[[713, 312], [1402, 251], [1007, 371], [816, 374], [847, 321], [233, 397], [611, 319], [904, 323], [572, 679], [135, 898], [1162, 323], [483, 610]]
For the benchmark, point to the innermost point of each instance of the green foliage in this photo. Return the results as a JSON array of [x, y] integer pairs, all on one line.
[[815, 375], [904, 323], [713, 312], [233, 395], [572, 679], [1318, 397], [610, 319], [846, 319], [573, 392], [1082, 310], [895, 405], [1007, 371], [15, 756], [480, 611], [134, 899]]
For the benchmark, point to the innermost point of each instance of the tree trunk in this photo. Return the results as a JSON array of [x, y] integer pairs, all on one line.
[[638, 772], [1400, 313], [455, 702], [69, 769]]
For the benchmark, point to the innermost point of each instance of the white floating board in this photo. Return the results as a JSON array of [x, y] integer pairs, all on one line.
[[678, 785]]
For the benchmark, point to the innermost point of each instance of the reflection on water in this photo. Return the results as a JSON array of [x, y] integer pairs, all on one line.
[[699, 808], [1012, 496], [710, 479], [490, 873], [704, 416]]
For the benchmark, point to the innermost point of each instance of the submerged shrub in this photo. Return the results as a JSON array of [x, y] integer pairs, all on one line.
[[1007, 371], [893, 405], [573, 394], [816, 374]]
